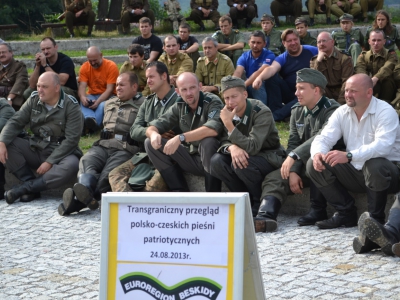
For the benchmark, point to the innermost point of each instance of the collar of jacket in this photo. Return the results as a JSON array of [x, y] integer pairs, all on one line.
[[322, 103]]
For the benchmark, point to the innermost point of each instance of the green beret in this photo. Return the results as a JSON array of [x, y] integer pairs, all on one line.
[[300, 20], [346, 17], [267, 17], [311, 76], [229, 82]]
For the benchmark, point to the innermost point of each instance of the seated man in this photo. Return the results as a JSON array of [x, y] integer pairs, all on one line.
[[272, 36], [370, 5], [151, 43], [133, 11], [49, 60], [371, 133], [188, 44], [13, 77], [321, 6], [250, 147], [137, 65], [79, 12], [197, 114], [204, 10], [242, 9], [378, 63], [56, 122], [114, 147], [305, 37], [347, 39], [308, 118], [285, 8], [339, 7], [213, 67], [176, 62], [336, 66], [230, 42], [173, 8], [253, 62], [99, 75], [163, 97]]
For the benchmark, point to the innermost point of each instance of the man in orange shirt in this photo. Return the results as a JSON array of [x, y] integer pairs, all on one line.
[[99, 76]]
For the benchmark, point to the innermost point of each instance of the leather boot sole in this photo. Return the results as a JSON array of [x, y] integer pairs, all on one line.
[[62, 211], [265, 225], [375, 233], [362, 243], [68, 196], [83, 194], [396, 249]]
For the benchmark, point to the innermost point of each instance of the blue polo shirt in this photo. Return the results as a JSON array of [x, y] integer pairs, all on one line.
[[251, 64], [291, 64]]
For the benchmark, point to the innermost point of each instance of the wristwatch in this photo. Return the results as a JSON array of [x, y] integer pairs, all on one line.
[[9, 99], [182, 138], [293, 155], [349, 156]]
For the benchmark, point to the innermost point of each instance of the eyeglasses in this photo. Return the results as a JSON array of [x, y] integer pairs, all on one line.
[[323, 41]]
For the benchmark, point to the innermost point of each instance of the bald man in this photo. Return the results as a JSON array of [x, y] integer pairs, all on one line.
[[99, 76], [55, 120], [371, 133]]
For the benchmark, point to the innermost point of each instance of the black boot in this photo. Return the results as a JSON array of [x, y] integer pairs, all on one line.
[[70, 203], [376, 204], [311, 22], [212, 184], [173, 177], [317, 210], [265, 221], [361, 243], [84, 190], [277, 22], [2, 180], [25, 174], [328, 21], [343, 202], [28, 187]]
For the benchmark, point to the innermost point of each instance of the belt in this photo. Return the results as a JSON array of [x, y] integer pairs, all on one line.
[[57, 139], [118, 137]]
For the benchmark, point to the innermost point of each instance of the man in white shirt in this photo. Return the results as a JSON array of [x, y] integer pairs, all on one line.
[[370, 130]]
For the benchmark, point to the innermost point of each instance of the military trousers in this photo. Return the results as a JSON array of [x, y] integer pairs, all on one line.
[[354, 9], [197, 16], [280, 9], [248, 13], [354, 51], [20, 154], [84, 19], [367, 5], [313, 6], [385, 89], [99, 161], [127, 18], [196, 164]]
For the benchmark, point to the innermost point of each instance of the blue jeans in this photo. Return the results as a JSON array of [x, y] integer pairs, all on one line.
[[97, 113], [260, 94]]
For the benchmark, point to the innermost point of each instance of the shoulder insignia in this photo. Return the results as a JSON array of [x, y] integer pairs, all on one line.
[[217, 33], [207, 99], [256, 108], [72, 98], [34, 93], [212, 114], [201, 58], [225, 57]]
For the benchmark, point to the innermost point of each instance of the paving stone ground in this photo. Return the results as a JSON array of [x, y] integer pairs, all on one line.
[[45, 256]]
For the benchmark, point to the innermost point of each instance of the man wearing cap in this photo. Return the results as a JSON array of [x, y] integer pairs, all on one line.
[[272, 36], [242, 9], [339, 7], [285, 8], [308, 117], [378, 63], [371, 133], [348, 39], [305, 37], [250, 146], [204, 10], [336, 66], [197, 114], [320, 6]]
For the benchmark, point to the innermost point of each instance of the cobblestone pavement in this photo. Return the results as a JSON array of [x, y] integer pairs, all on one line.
[[45, 256]]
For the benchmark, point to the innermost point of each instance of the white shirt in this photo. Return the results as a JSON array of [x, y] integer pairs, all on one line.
[[377, 134]]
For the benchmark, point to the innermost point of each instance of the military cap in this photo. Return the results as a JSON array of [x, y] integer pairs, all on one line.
[[140, 174], [346, 17], [311, 76], [267, 17], [300, 20], [229, 82]]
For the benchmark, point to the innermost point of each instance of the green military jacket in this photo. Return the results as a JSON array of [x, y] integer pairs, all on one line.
[[340, 38], [308, 40], [234, 37], [177, 65], [63, 122], [305, 125], [85, 5], [140, 73], [128, 5], [211, 72], [256, 133], [392, 39], [378, 65], [275, 43], [15, 77], [207, 114], [118, 120], [207, 4], [6, 112]]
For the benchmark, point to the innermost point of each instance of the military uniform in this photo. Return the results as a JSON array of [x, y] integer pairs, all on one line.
[[313, 6], [14, 80], [234, 37], [140, 73], [274, 42], [173, 7], [248, 13], [367, 5], [392, 39], [379, 65], [284, 8], [352, 8], [177, 65], [197, 15], [396, 77], [349, 42], [337, 68], [86, 18], [128, 17], [151, 109], [308, 40], [210, 73]]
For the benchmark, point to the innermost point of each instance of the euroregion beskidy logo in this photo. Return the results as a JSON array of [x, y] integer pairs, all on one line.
[[195, 286]]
